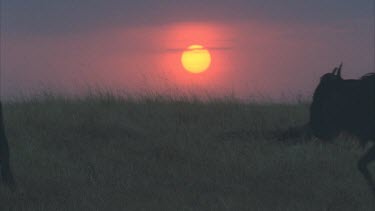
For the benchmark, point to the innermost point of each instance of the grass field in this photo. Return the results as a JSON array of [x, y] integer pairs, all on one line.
[[102, 152]]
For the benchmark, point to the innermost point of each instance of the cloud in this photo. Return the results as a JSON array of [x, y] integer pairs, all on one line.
[[211, 48]]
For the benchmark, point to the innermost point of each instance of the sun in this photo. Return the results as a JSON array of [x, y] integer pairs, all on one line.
[[196, 59]]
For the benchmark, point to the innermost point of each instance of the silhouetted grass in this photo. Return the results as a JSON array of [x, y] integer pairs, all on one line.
[[104, 152]]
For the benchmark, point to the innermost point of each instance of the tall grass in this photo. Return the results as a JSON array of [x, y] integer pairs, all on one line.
[[107, 152]]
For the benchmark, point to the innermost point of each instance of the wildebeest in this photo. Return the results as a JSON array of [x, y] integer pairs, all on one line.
[[346, 106], [6, 173]]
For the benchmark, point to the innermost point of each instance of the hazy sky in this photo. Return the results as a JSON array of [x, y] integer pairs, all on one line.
[[258, 47]]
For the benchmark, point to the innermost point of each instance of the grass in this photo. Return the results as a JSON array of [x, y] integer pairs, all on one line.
[[103, 152]]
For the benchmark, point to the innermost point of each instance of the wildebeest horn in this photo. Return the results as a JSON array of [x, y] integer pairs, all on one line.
[[334, 71], [339, 70]]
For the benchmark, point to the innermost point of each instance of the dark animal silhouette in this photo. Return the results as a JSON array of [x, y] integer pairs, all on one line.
[[346, 105], [6, 173]]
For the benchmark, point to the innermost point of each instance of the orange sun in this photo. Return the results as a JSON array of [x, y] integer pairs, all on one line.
[[196, 59]]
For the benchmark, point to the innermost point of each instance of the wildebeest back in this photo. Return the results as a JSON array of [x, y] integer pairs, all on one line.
[[345, 105], [357, 107]]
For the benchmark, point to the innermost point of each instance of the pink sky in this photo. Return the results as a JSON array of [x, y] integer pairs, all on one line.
[[248, 58]]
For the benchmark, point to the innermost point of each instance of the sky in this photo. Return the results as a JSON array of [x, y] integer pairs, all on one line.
[[275, 49]]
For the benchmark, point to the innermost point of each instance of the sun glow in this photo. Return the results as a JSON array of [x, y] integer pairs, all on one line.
[[196, 59]]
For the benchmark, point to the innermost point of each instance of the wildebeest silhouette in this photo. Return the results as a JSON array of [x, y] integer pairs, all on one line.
[[6, 173], [346, 106]]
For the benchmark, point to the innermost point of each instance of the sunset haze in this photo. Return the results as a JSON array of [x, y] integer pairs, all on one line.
[[268, 48]]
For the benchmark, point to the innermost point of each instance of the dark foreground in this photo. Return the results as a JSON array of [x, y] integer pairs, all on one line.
[[104, 153]]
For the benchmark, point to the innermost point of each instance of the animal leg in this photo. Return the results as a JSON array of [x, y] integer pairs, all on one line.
[[6, 172], [362, 166], [5, 169]]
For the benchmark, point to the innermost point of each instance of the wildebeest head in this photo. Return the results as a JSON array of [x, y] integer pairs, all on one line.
[[324, 114]]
